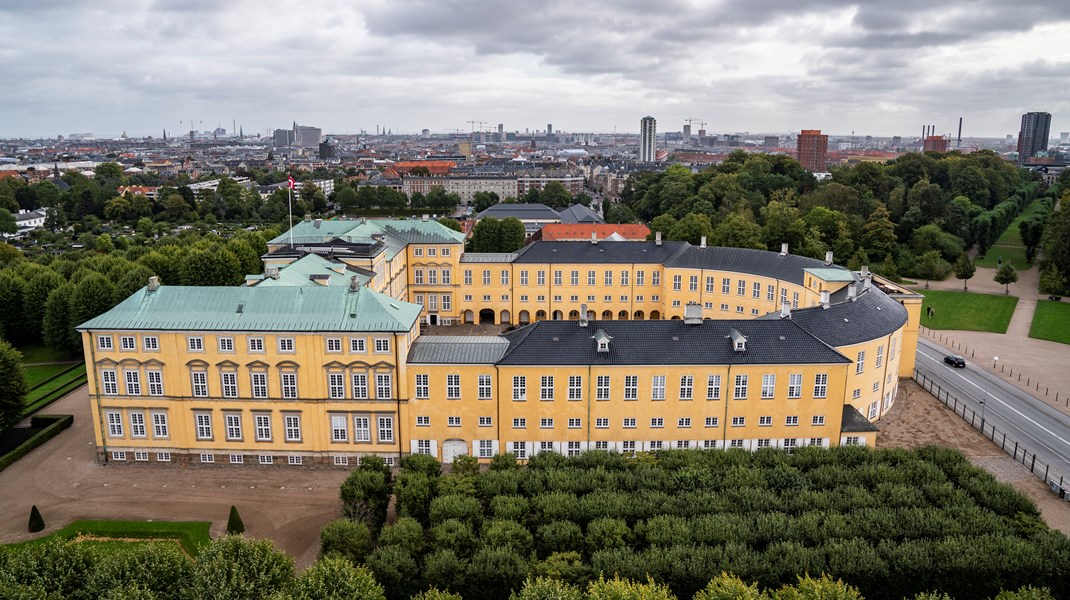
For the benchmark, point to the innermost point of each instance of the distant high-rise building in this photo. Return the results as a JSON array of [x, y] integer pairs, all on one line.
[[935, 143], [771, 141], [307, 137], [687, 134], [648, 134], [283, 138], [813, 148], [425, 133], [1064, 137], [326, 150], [549, 130], [1033, 136]]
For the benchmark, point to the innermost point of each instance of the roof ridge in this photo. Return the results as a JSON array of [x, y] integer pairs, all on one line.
[[524, 332]]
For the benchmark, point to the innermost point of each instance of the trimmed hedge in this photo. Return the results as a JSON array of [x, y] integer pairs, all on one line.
[[59, 423]]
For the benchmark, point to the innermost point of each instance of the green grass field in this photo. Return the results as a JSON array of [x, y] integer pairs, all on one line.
[[1009, 245], [37, 374], [47, 392], [967, 311], [119, 536], [36, 353], [1051, 321]]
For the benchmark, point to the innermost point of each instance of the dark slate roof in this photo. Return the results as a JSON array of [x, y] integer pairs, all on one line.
[[578, 213], [854, 422], [788, 267], [669, 342], [521, 211], [602, 252], [872, 315]]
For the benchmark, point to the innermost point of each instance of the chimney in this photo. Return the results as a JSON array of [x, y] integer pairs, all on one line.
[[354, 285], [154, 283], [271, 272], [702, 244], [824, 299], [363, 220], [657, 238], [316, 224], [583, 315], [784, 249], [852, 292], [785, 310], [828, 257], [424, 217], [867, 282], [864, 271], [308, 218], [594, 238], [693, 313]]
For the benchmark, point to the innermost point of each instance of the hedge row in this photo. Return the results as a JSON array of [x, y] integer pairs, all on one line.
[[55, 424]]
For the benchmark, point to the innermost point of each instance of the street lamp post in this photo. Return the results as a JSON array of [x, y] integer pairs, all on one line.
[[995, 359]]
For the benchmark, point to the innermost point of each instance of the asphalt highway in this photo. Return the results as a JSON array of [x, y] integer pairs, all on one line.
[[1037, 428]]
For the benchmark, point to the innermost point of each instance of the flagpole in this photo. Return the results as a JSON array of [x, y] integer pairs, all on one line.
[[290, 204]]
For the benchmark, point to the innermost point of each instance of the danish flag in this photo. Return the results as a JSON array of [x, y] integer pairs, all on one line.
[[293, 184]]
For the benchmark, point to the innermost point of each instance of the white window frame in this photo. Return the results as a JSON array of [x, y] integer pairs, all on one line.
[[339, 428], [687, 387], [199, 383], [453, 386], [225, 344], [128, 343], [423, 386], [195, 343], [362, 428], [288, 383], [575, 387], [821, 385], [713, 387], [133, 382], [485, 387], [795, 385], [602, 389], [657, 387], [115, 423], [232, 422], [768, 386], [228, 380], [336, 386], [386, 429], [104, 342], [256, 344], [203, 424], [359, 382], [520, 388], [739, 391], [546, 387], [292, 427], [150, 343], [160, 429], [631, 387], [286, 345], [384, 386]]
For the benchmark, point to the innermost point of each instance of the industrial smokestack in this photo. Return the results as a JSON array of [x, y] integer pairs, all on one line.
[[958, 141]]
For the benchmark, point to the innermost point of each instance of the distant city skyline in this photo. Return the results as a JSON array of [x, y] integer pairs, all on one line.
[[110, 67]]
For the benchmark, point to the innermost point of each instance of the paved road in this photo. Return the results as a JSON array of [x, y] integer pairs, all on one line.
[[1034, 425]]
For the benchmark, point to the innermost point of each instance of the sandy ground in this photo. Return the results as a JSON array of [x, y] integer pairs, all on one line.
[[288, 505], [918, 419]]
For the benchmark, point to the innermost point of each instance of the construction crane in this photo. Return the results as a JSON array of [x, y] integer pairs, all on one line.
[[473, 124]]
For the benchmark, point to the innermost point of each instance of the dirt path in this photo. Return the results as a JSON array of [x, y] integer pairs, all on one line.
[[289, 505], [918, 418]]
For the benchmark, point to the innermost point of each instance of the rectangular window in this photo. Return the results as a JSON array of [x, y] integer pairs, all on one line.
[[486, 277], [523, 278], [104, 342], [486, 448], [468, 277], [741, 287], [226, 344], [601, 423], [286, 344], [293, 427], [150, 342], [765, 421], [504, 277], [856, 394], [233, 423], [677, 282], [204, 426], [710, 284], [712, 421], [362, 429], [873, 410], [860, 362], [423, 447], [631, 387], [795, 299], [133, 383], [683, 422], [540, 278], [447, 302], [360, 386], [155, 379], [655, 278], [334, 344], [336, 385], [692, 283], [256, 344], [880, 356], [546, 387], [115, 424], [110, 380], [126, 342], [520, 423], [453, 421], [575, 423], [572, 449], [546, 423], [628, 446], [575, 387], [384, 389], [263, 427], [207, 458], [265, 459], [447, 277], [453, 387], [229, 380], [520, 387], [339, 428], [791, 420], [137, 424], [432, 277], [891, 350], [259, 384], [764, 443], [423, 389], [624, 278], [713, 387], [382, 345], [640, 278], [657, 387], [770, 292], [163, 457], [756, 291], [607, 278], [141, 456], [740, 392], [486, 421], [739, 421], [341, 461], [294, 460], [484, 387], [768, 386], [386, 429], [592, 278], [817, 420], [520, 449], [289, 386], [195, 344], [200, 383], [876, 385], [118, 455], [423, 421], [821, 385], [159, 425], [602, 388], [629, 422], [687, 387], [795, 385], [726, 285]]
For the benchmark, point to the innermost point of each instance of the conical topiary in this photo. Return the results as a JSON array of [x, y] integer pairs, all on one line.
[[37, 522], [234, 523]]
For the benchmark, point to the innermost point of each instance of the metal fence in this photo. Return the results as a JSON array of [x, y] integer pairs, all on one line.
[[1009, 445]]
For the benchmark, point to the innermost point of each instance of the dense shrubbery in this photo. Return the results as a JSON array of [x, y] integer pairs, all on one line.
[[892, 523]]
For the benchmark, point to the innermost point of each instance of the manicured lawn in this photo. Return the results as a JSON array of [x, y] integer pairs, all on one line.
[[967, 310], [1051, 321], [37, 374], [118, 536], [77, 374], [1009, 245], [41, 353]]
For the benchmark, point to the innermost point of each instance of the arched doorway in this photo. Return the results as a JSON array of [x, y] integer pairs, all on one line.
[[452, 449], [638, 315], [573, 315], [540, 315], [607, 315], [676, 317], [505, 317], [525, 317], [622, 315], [486, 316], [558, 315], [469, 317], [655, 315], [590, 315]]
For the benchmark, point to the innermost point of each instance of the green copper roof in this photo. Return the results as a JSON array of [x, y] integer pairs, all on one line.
[[408, 231], [243, 308], [303, 270], [842, 275]]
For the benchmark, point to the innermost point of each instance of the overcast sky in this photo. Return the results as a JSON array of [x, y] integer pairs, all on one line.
[[880, 67]]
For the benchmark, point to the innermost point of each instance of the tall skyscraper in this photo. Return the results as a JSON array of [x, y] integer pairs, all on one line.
[[813, 148], [687, 134], [648, 133], [1033, 137]]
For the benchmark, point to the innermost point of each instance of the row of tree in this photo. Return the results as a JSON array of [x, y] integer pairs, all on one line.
[[894, 523]]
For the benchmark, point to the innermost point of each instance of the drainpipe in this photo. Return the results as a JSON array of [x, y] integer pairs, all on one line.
[[96, 387], [724, 425]]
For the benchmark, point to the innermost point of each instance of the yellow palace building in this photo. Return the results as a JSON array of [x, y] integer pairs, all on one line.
[[342, 348]]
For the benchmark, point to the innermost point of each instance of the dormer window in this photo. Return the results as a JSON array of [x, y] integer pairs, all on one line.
[[603, 346], [739, 341], [601, 339], [741, 345]]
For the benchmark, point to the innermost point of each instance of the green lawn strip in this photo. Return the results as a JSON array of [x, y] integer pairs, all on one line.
[[41, 353], [64, 381], [1009, 245], [41, 402], [191, 535], [38, 373], [1051, 321], [967, 310]]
